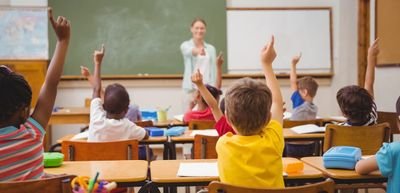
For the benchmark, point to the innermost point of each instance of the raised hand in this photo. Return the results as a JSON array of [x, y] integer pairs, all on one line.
[[61, 26], [373, 50], [197, 78], [296, 59], [220, 59], [85, 71], [268, 53], [98, 55]]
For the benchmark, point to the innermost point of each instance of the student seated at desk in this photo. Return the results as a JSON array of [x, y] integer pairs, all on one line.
[[203, 111], [386, 160], [107, 119], [22, 134], [356, 103], [253, 157], [133, 113], [304, 91], [221, 125]]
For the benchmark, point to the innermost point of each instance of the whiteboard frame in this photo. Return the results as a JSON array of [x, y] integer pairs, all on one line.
[[301, 72]]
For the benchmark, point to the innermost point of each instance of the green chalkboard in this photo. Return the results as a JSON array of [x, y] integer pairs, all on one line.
[[141, 36]]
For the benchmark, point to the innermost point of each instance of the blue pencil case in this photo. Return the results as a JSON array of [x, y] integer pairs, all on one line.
[[175, 131], [342, 157], [155, 132]]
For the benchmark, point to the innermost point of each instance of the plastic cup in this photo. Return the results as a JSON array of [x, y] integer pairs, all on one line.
[[161, 116]]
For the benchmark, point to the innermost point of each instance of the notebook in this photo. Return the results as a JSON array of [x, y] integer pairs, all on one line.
[[80, 136], [209, 132], [309, 128]]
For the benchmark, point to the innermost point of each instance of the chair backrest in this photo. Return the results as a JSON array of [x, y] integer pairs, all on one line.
[[201, 124], [87, 102], [90, 151], [147, 123], [368, 138], [391, 118], [289, 123], [204, 147], [321, 187], [61, 184]]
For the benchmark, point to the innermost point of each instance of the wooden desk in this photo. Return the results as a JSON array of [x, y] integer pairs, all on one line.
[[288, 135], [125, 172], [70, 115], [341, 176], [166, 176]]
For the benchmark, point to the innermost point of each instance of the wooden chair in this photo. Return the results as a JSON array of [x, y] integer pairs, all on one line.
[[391, 118], [61, 184], [147, 123], [321, 187], [368, 138], [201, 124], [204, 147], [306, 148], [290, 123], [90, 151]]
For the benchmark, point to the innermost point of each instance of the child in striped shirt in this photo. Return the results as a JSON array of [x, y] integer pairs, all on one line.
[[22, 133]]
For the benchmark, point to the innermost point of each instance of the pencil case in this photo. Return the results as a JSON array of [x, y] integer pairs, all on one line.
[[175, 131], [155, 132], [293, 166], [342, 157], [52, 159]]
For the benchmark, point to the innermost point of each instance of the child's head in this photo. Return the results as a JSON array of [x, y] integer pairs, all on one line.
[[116, 100], [356, 104], [247, 106], [222, 105], [307, 87], [215, 92], [15, 97]]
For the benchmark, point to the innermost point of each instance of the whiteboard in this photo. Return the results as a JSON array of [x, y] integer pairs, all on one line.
[[23, 33], [296, 30]]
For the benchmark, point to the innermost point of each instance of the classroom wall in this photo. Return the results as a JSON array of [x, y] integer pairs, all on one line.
[[387, 79], [162, 93]]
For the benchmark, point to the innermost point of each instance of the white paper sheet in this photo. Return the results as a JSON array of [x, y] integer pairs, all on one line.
[[80, 136], [309, 128], [179, 117], [209, 132], [209, 169]]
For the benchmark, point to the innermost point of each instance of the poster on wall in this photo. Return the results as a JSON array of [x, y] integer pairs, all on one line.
[[24, 33]]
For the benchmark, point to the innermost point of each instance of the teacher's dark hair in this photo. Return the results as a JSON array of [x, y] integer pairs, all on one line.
[[200, 20]]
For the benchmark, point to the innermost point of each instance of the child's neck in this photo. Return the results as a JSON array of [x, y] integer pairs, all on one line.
[[308, 99], [114, 116], [201, 106]]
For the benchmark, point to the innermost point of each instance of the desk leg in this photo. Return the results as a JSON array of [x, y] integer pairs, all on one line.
[[166, 151], [172, 151]]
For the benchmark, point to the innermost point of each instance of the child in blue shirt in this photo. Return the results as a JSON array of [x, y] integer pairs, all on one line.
[[386, 160], [304, 91]]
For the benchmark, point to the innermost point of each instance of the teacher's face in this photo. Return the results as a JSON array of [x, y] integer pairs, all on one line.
[[198, 30]]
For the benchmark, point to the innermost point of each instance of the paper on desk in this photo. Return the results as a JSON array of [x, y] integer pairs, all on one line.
[[82, 135], [209, 132], [309, 128], [179, 117], [209, 169], [287, 115]]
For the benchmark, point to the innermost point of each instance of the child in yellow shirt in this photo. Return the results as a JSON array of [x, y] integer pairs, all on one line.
[[253, 157]]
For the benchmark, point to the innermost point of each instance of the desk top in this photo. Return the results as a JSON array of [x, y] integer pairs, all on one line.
[[150, 140], [162, 174], [317, 162], [288, 134], [118, 171]]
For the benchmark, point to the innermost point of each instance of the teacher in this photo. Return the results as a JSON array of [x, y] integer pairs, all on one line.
[[199, 55]]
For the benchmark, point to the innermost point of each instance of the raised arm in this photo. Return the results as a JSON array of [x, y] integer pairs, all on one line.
[[373, 52], [293, 73], [86, 73], [48, 92], [268, 55], [220, 62], [97, 59], [197, 79]]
